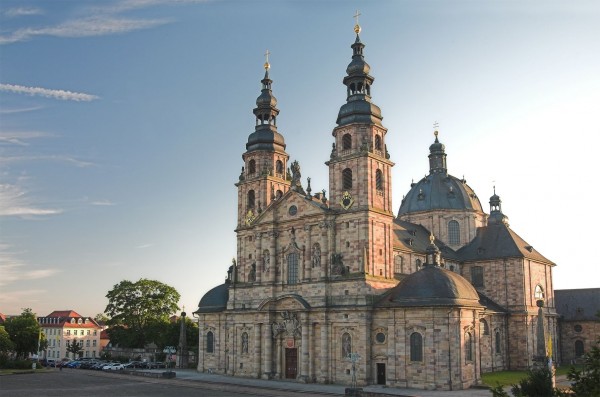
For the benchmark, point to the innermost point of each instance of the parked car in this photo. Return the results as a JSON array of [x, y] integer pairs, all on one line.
[[113, 367], [134, 364], [51, 363]]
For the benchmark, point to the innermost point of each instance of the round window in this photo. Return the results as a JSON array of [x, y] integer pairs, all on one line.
[[380, 337], [578, 328], [293, 210]]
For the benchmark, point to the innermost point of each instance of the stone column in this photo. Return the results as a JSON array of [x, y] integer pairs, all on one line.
[[324, 356], [308, 254], [257, 350], [258, 257], [278, 365], [273, 258], [304, 353], [267, 352]]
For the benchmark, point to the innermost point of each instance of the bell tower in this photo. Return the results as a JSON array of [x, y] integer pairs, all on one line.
[[360, 179], [263, 178]]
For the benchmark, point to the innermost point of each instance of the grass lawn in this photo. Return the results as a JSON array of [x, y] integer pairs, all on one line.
[[508, 378]]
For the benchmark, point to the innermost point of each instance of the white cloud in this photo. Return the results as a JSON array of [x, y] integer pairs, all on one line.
[[102, 203], [142, 246], [48, 93], [21, 110], [22, 11], [20, 137], [11, 271], [56, 158], [14, 202]]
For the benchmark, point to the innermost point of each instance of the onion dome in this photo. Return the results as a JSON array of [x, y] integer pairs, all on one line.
[[439, 190], [358, 107], [214, 300], [265, 135], [432, 286]]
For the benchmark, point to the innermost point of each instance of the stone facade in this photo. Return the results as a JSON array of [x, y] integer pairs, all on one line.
[[336, 290]]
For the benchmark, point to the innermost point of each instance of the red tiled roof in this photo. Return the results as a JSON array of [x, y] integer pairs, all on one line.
[[104, 335], [64, 313]]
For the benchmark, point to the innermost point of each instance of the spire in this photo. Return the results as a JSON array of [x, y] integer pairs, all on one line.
[[358, 107], [265, 136], [437, 154]]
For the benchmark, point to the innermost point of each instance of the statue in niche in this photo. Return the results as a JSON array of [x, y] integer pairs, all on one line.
[[337, 265], [346, 345], [252, 274], [266, 260], [316, 256], [245, 343]]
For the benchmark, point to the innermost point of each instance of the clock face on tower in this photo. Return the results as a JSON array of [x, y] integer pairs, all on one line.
[[347, 200]]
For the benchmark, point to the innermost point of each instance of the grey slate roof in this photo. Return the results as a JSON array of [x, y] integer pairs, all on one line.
[[577, 304], [416, 238], [214, 300], [499, 241]]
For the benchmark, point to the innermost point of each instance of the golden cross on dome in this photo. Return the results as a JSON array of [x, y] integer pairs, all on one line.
[[267, 64], [357, 26]]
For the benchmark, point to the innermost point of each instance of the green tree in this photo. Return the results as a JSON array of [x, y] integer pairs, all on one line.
[[74, 347], [587, 381], [24, 332], [138, 310], [6, 345]]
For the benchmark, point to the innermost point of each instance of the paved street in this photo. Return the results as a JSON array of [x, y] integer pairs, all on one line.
[[98, 384]]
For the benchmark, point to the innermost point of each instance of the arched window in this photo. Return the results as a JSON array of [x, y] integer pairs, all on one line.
[[398, 261], [539, 292], [379, 180], [453, 233], [251, 199], [477, 276], [468, 347], [578, 348], [279, 168], [251, 167], [278, 194], [347, 142], [210, 342], [484, 329], [416, 347], [377, 142], [347, 179], [245, 343], [346, 345], [292, 261], [498, 343]]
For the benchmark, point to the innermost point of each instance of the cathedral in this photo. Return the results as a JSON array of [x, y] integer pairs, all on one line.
[[340, 290]]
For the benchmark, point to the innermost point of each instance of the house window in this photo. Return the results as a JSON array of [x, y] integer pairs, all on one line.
[[94, 343], [416, 347], [210, 342], [68, 332], [346, 345], [398, 260], [87, 343], [88, 332], [252, 167], [292, 261], [477, 276], [498, 343], [453, 232], [95, 332], [379, 180], [578, 348], [347, 142], [251, 199], [347, 179], [468, 347], [377, 142]]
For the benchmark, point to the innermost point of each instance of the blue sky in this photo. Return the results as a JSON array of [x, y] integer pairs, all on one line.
[[122, 125]]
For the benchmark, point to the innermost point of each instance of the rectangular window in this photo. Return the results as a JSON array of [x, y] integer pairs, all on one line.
[[87, 353], [87, 343], [95, 332], [292, 268], [477, 276], [94, 343], [94, 353], [88, 332]]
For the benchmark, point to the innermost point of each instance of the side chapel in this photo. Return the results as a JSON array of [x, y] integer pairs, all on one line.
[[334, 289]]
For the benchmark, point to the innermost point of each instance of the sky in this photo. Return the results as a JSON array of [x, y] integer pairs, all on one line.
[[123, 122]]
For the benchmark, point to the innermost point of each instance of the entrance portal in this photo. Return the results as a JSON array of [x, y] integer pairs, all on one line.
[[291, 363], [380, 374]]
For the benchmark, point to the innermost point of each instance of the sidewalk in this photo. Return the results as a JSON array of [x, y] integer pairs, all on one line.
[[335, 390]]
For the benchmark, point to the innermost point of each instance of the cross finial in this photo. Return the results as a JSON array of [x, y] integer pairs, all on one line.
[[357, 26], [435, 129], [267, 64]]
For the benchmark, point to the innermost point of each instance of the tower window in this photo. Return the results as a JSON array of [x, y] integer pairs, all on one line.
[[377, 142], [416, 347], [347, 142], [477, 276], [539, 292], [453, 232], [279, 168], [379, 180], [252, 167], [347, 179], [251, 199], [292, 261]]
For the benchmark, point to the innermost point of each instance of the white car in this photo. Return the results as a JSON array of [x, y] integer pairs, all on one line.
[[113, 367]]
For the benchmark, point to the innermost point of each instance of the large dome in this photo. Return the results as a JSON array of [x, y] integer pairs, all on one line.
[[214, 300], [433, 286], [439, 191]]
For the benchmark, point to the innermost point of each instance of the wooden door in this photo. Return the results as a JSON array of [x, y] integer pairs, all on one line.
[[380, 374], [291, 363]]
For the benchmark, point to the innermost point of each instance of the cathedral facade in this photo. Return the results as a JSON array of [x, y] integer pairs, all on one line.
[[340, 290]]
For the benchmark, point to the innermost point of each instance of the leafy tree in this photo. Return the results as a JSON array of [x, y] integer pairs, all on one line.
[[24, 332], [101, 318], [6, 345], [137, 310], [74, 347], [587, 381]]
